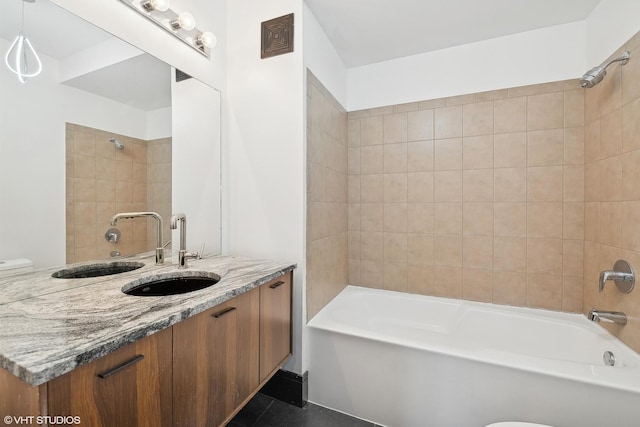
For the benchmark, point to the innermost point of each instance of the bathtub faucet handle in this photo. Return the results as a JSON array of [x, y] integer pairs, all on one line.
[[622, 274]]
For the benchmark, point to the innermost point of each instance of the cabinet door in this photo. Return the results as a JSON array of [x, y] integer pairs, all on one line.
[[215, 361], [275, 324], [127, 388]]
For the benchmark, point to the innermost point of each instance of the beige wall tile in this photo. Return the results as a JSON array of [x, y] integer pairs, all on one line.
[[371, 188], [510, 150], [447, 218], [573, 183], [477, 119], [354, 212], [544, 291], [544, 184], [372, 217], [420, 156], [353, 133], [572, 294], [573, 258], [510, 115], [395, 247], [395, 276], [510, 184], [631, 175], [371, 131], [420, 187], [592, 141], [544, 220], [420, 218], [478, 185], [372, 274], [395, 187], [573, 221], [611, 179], [448, 186], [371, 247], [448, 122], [592, 182], [510, 219], [395, 158], [545, 111], [372, 159], [592, 221], [84, 166], [477, 219], [574, 146], [630, 238], [420, 125], [477, 152], [631, 126], [509, 288], [448, 154], [395, 128], [420, 279], [447, 282], [447, 251], [630, 74], [611, 223], [353, 161], [611, 134], [574, 108], [353, 188], [544, 256], [545, 147], [510, 254], [477, 285], [395, 217], [477, 252], [420, 249]]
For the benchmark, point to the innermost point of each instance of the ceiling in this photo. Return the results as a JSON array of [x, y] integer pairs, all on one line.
[[142, 82], [369, 31]]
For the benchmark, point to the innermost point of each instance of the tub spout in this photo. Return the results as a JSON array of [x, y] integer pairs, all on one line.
[[608, 316]]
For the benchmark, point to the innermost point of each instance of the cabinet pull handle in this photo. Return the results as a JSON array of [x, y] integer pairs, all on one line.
[[223, 312], [121, 367], [277, 284]]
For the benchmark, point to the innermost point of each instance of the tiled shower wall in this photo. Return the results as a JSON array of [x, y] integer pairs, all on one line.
[[612, 188], [102, 181], [327, 272], [478, 197]]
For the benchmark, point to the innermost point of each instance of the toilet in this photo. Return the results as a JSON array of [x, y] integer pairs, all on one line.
[[15, 266], [517, 424]]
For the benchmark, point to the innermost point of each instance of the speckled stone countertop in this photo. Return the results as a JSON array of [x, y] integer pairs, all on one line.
[[51, 326]]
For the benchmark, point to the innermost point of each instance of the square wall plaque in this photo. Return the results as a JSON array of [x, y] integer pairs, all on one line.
[[277, 36]]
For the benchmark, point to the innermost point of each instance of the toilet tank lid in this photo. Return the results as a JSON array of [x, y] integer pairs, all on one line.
[[11, 264]]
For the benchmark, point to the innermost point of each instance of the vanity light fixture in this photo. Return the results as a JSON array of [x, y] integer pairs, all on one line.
[[181, 25], [21, 55]]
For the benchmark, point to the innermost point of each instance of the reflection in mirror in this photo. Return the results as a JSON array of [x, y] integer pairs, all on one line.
[[64, 174]]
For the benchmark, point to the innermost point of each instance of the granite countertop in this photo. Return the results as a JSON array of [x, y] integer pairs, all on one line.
[[51, 326]]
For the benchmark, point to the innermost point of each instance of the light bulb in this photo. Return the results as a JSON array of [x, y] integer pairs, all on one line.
[[18, 53], [206, 39], [151, 5], [185, 20]]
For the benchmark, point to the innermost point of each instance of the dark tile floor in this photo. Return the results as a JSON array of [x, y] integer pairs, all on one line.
[[265, 411]]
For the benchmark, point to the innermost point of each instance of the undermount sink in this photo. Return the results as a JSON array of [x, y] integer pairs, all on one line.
[[154, 287], [97, 270]]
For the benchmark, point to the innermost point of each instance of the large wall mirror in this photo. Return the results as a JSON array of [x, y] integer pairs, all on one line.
[[104, 128]]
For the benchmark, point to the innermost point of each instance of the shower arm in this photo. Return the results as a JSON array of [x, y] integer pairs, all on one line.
[[623, 59]]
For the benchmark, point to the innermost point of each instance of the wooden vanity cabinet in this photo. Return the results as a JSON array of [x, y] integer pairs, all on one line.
[[129, 387], [275, 325], [215, 361]]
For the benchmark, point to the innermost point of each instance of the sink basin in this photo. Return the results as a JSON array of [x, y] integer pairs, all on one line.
[[97, 270], [154, 287]]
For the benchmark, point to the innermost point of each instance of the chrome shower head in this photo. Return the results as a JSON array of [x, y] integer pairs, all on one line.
[[119, 145], [596, 74]]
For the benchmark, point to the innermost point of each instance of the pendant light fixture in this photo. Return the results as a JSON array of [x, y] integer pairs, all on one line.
[[21, 58]]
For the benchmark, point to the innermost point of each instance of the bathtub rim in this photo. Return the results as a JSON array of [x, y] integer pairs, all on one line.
[[619, 378]]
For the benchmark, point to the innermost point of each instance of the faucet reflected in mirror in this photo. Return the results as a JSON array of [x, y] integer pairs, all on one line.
[[159, 240], [102, 180]]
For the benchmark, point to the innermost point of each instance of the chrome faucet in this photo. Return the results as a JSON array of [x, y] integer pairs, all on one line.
[[608, 316], [622, 274], [183, 255], [158, 218]]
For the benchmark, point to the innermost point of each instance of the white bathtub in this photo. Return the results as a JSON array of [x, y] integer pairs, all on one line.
[[407, 360]]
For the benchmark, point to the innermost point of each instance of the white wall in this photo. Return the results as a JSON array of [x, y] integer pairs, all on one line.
[[609, 26], [322, 59], [266, 146], [32, 157], [548, 54]]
